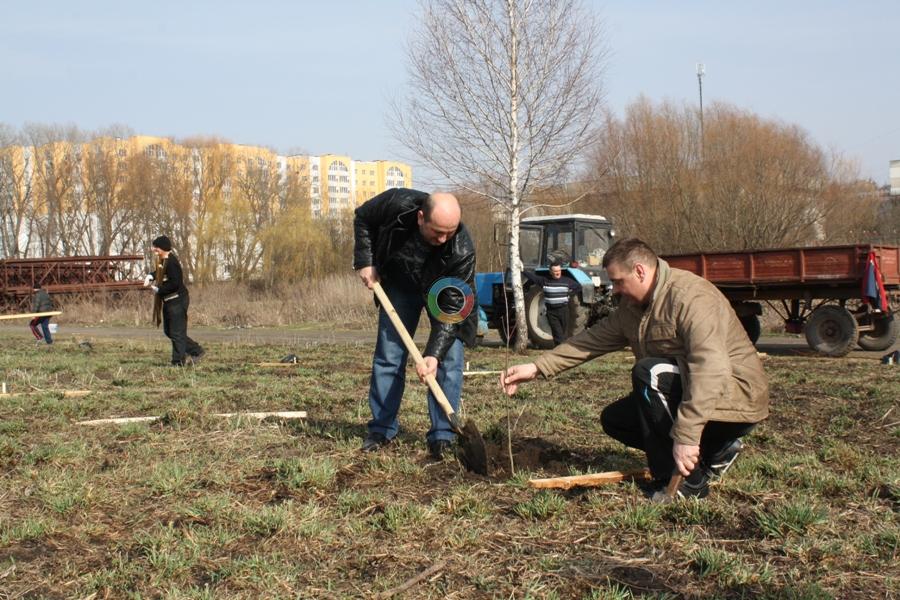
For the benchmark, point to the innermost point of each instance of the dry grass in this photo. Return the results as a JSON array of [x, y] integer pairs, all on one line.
[[336, 299], [197, 507]]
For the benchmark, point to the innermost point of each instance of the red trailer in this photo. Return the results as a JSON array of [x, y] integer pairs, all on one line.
[[66, 275], [819, 291]]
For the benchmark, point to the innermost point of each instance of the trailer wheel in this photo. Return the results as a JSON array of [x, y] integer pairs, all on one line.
[[883, 336], [539, 333], [752, 327], [831, 330]]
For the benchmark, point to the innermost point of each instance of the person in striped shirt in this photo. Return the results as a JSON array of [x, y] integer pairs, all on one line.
[[557, 291]]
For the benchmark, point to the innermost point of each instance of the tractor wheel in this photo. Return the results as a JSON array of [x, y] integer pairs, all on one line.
[[883, 336], [579, 315], [831, 330], [539, 333], [752, 327]]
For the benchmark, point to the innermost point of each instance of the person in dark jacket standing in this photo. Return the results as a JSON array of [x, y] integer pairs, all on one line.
[[172, 301], [407, 240], [41, 302]]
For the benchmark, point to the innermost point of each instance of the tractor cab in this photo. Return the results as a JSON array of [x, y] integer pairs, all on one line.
[[579, 243]]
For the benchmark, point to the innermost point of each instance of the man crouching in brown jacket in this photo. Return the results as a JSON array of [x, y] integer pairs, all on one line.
[[698, 384]]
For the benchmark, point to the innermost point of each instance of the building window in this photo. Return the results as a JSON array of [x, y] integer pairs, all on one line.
[[395, 178]]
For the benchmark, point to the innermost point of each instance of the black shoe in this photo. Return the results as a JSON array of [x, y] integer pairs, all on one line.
[[695, 486], [437, 448], [374, 441], [719, 462]]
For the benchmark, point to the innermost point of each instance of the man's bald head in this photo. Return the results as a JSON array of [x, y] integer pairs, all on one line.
[[439, 218]]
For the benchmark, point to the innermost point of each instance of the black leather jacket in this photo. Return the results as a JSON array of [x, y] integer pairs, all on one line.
[[383, 224]]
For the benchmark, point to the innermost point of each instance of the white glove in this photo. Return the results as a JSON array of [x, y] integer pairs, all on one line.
[[147, 279], [155, 289]]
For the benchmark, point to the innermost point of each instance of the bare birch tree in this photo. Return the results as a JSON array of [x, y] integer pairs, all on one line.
[[504, 92]]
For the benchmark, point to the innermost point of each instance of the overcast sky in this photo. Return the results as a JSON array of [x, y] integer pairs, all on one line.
[[317, 76]]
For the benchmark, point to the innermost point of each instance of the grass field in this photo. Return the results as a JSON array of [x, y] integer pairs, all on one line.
[[195, 506]]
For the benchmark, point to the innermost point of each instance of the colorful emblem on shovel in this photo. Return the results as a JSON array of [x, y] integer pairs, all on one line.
[[465, 292]]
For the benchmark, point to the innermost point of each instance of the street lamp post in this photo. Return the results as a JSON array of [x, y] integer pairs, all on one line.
[[701, 71]]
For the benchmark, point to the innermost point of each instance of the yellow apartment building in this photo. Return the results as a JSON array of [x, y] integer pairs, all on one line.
[[334, 182], [338, 183]]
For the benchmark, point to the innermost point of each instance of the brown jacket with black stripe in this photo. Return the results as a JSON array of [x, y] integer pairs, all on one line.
[[690, 321]]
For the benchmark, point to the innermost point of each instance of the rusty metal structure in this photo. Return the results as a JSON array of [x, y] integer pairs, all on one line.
[[66, 275]]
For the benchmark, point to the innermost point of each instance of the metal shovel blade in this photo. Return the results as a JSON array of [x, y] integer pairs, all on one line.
[[472, 451]]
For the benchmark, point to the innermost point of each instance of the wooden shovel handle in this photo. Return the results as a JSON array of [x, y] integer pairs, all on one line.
[[413, 349], [674, 484]]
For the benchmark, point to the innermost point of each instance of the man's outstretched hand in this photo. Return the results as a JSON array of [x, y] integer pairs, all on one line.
[[513, 376]]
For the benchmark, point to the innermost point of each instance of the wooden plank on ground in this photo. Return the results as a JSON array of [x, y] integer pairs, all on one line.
[[119, 420], [51, 313], [592, 480], [290, 414], [65, 393]]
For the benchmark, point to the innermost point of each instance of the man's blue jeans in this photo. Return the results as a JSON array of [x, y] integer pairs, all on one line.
[[389, 371]]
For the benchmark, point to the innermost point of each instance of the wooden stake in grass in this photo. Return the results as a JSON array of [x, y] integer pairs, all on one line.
[[592, 480]]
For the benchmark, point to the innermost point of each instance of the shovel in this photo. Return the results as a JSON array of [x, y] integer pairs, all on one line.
[[474, 453]]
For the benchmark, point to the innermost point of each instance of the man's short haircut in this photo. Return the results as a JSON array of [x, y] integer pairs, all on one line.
[[628, 252], [556, 263], [427, 208]]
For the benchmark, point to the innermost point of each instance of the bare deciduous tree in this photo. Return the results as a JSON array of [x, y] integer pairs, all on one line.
[[103, 173], [750, 183], [16, 197], [504, 93], [59, 218], [250, 211]]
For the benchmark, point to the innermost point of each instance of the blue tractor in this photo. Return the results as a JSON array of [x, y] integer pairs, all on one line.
[[579, 241]]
